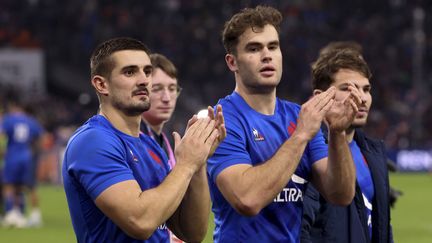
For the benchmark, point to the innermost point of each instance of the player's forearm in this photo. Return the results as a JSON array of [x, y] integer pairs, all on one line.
[[191, 218], [339, 183], [260, 184], [157, 205], [139, 213]]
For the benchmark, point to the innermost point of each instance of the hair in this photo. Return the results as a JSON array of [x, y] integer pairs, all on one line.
[[162, 62], [247, 18], [341, 45], [101, 62], [329, 63]]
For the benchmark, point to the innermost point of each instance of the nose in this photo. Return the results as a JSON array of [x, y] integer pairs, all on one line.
[[165, 95], [144, 79], [363, 96], [266, 54]]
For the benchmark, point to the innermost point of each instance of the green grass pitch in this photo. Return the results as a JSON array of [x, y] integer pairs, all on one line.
[[411, 218]]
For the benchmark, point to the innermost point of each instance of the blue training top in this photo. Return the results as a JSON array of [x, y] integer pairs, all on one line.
[[365, 182], [253, 138], [97, 157], [21, 131]]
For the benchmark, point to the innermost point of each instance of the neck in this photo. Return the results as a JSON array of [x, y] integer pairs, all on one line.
[[122, 122], [157, 128], [263, 103]]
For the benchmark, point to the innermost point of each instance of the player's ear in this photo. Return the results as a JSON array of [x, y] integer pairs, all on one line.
[[231, 62], [317, 92], [100, 84]]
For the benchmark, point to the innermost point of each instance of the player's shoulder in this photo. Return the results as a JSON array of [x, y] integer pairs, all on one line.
[[93, 133], [228, 101], [287, 103], [288, 107], [231, 105]]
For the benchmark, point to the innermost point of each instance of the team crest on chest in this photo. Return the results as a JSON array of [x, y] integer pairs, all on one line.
[[257, 135]]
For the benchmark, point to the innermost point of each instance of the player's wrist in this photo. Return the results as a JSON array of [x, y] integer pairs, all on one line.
[[301, 137], [189, 169], [337, 135], [337, 132]]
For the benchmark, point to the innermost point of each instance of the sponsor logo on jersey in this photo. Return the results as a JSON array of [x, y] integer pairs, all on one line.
[[291, 194], [257, 135]]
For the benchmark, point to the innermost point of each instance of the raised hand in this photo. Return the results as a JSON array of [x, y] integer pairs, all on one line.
[[312, 113], [342, 113], [192, 150], [219, 125]]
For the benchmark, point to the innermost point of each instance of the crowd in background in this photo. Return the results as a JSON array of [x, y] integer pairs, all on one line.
[[188, 32]]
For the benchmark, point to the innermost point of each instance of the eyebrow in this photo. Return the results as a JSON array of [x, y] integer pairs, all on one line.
[[146, 67], [129, 67], [276, 42], [347, 83], [256, 43]]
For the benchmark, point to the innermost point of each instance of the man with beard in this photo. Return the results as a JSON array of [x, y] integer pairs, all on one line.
[[118, 183], [367, 218]]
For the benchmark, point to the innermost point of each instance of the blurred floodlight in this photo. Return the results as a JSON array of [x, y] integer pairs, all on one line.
[[84, 99]]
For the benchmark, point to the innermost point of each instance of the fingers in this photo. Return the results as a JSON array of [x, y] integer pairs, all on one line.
[[328, 106], [177, 139], [321, 100], [222, 132], [210, 140], [210, 112], [191, 121], [354, 94], [220, 120], [201, 128], [354, 106]]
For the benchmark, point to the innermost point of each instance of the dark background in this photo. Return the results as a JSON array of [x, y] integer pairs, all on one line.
[[396, 46]]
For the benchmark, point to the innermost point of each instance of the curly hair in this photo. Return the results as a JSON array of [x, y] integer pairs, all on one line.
[[247, 18]]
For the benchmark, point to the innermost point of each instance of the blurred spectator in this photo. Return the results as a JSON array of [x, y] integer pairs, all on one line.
[[188, 32]]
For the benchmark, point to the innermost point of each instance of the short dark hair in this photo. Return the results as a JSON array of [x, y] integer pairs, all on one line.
[[101, 62], [340, 45], [162, 62], [327, 64], [248, 18]]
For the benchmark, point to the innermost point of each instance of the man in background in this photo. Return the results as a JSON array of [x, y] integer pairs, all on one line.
[[23, 134], [163, 98], [367, 218]]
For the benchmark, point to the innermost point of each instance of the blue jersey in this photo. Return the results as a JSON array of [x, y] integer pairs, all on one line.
[[365, 182], [21, 132], [98, 156], [253, 138]]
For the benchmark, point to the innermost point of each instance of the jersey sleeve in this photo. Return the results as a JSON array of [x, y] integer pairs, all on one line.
[[317, 148], [232, 150], [97, 160]]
